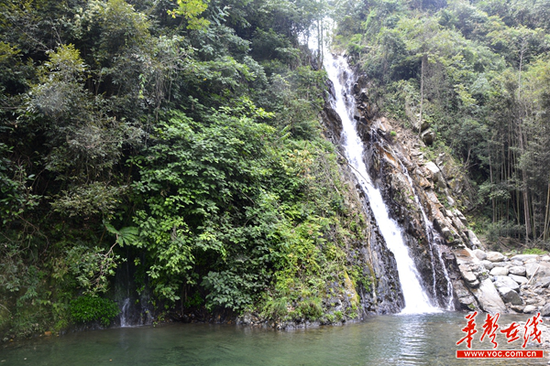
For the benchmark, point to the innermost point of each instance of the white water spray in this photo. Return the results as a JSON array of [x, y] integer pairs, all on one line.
[[416, 300], [430, 232], [124, 317]]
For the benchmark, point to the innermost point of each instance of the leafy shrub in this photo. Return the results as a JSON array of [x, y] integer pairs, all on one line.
[[276, 308], [310, 308], [86, 309]]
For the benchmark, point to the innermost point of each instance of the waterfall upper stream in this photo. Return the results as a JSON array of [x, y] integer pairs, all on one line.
[[416, 299]]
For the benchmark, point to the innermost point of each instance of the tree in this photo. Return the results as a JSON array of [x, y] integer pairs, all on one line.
[[190, 10]]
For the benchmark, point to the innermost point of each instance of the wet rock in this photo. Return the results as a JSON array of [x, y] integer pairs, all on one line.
[[489, 298], [470, 274], [495, 257], [333, 122]]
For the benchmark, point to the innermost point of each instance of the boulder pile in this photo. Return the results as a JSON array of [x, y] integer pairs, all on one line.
[[506, 284]]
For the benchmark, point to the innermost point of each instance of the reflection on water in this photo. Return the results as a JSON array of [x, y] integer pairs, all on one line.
[[428, 339]]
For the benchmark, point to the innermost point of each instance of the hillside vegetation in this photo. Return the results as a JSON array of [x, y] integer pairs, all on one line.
[[478, 75], [181, 140]]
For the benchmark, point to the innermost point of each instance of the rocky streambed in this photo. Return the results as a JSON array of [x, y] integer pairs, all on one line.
[[506, 284], [499, 283]]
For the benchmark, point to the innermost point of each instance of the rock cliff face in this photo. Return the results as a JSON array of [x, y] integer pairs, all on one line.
[[384, 294], [421, 195]]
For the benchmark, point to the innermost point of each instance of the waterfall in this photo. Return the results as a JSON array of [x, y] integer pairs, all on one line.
[[432, 234], [132, 317], [416, 299], [124, 313]]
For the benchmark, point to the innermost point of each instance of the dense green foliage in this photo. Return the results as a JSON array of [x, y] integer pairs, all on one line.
[[182, 139], [478, 73], [88, 309], [179, 137]]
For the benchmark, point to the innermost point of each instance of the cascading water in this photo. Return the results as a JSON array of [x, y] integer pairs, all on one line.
[[124, 316], [129, 317], [431, 233], [416, 299]]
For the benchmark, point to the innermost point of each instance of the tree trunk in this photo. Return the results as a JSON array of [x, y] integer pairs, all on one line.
[[422, 72], [525, 191], [492, 185], [545, 235]]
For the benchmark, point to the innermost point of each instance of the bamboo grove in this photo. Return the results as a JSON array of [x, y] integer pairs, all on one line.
[[478, 74]]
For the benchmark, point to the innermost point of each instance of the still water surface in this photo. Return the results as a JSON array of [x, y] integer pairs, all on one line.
[[428, 339]]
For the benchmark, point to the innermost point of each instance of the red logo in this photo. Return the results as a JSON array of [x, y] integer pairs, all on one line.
[[490, 327]]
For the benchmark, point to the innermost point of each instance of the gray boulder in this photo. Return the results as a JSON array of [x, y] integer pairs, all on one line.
[[542, 282], [545, 311], [489, 298], [517, 270], [499, 271], [488, 264], [495, 257], [505, 281], [519, 279], [509, 295], [529, 309], [468, 276], [480, 254], [524, 257]]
